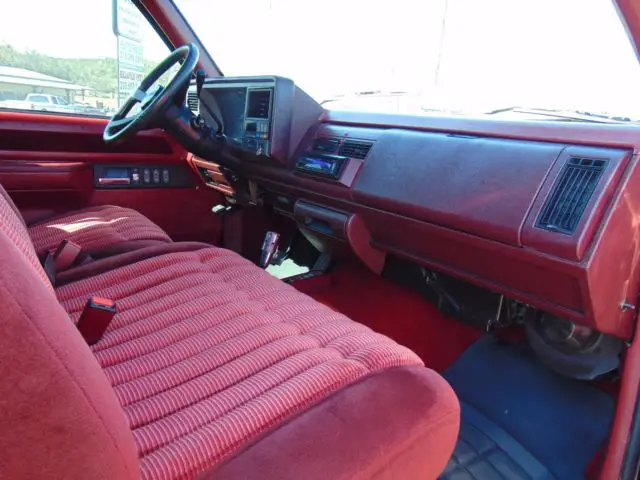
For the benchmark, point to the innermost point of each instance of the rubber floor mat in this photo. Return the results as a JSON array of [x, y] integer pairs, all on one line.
[[520, 419]]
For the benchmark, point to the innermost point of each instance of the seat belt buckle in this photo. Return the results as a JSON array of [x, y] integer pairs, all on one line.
[[66, 254], [95, 318]]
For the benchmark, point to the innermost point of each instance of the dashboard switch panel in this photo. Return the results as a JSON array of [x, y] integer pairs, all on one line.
[[139, 176]]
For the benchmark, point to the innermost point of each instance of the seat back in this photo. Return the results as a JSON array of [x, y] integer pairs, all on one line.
[[5, 196], [60, 417], [13, 226]]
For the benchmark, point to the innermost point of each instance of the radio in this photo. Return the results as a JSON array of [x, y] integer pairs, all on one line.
[[321, 164]]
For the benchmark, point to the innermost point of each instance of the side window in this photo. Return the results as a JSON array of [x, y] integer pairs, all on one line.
[[33, 98], [67, 58]]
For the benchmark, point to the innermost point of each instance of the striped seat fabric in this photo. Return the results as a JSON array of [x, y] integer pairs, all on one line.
[[95, 228], [207, 351], [15, 229], [211, 368]]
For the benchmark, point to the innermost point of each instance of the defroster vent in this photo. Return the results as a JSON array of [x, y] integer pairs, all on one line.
[[564, 208], [192, 102], [355, 149]]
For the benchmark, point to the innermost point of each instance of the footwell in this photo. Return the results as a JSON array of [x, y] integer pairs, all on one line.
[[395, 311], [522, 421]]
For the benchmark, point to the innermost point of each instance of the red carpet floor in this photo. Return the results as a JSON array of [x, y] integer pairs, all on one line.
[[409, 319], [394, 311]]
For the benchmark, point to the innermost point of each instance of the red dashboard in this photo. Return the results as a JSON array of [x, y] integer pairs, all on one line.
[[467, 197]]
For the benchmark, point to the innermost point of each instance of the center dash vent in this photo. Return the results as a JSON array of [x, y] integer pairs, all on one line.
[[564, 208], [355, 149], [192, 102], [326, 144]]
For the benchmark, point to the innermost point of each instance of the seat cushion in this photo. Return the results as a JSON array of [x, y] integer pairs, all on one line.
[[208, 351], [97, 228], [398, 423]]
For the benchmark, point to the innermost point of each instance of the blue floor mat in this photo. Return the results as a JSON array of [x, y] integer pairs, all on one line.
[[518, 414], [485, 451]]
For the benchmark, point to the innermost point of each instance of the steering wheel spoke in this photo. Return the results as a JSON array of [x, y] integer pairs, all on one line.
[[138, 96], [121, 123]]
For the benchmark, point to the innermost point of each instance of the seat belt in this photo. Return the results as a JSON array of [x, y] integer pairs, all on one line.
[[49, 267], [95, 318], [65, 255]]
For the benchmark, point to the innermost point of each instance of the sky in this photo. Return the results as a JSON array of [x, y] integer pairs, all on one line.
[[485, 54]]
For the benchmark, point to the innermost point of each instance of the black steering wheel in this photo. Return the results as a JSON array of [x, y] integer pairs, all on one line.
[[154, 103]]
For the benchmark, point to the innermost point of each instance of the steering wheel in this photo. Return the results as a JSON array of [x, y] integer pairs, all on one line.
[[154, 103]]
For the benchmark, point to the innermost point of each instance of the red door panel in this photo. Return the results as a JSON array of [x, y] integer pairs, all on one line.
[[46, 165]]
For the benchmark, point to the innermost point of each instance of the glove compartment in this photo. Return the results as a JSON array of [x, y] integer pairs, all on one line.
[[478, 185]]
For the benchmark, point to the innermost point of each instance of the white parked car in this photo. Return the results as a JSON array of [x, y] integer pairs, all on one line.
[[48, 103]]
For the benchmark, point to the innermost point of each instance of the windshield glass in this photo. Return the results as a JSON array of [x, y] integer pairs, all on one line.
[[412, 56]]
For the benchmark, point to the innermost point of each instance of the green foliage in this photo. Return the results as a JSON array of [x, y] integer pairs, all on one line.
[[99, 74]]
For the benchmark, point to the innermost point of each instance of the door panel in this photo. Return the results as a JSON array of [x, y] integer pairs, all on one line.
[[47, 163]]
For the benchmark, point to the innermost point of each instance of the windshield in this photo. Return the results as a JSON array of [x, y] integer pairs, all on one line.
[[411, 56]]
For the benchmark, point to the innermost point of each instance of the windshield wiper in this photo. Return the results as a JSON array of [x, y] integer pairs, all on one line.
[[575, 115]]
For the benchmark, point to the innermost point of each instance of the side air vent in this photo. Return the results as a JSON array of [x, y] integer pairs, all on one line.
[[192, 102], [355, 149], [326, 144], [564, 208]]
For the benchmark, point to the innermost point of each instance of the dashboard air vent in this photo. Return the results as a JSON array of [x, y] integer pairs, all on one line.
[[192, 102], [355, 149], [566, 204], [326, 144]]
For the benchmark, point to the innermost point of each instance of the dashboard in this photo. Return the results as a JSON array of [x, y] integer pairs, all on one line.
[[544, 212]]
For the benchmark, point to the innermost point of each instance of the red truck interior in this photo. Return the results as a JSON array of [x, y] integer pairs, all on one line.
[[214, 368]]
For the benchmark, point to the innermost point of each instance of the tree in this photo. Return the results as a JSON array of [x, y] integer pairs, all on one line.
[[98, 74]]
